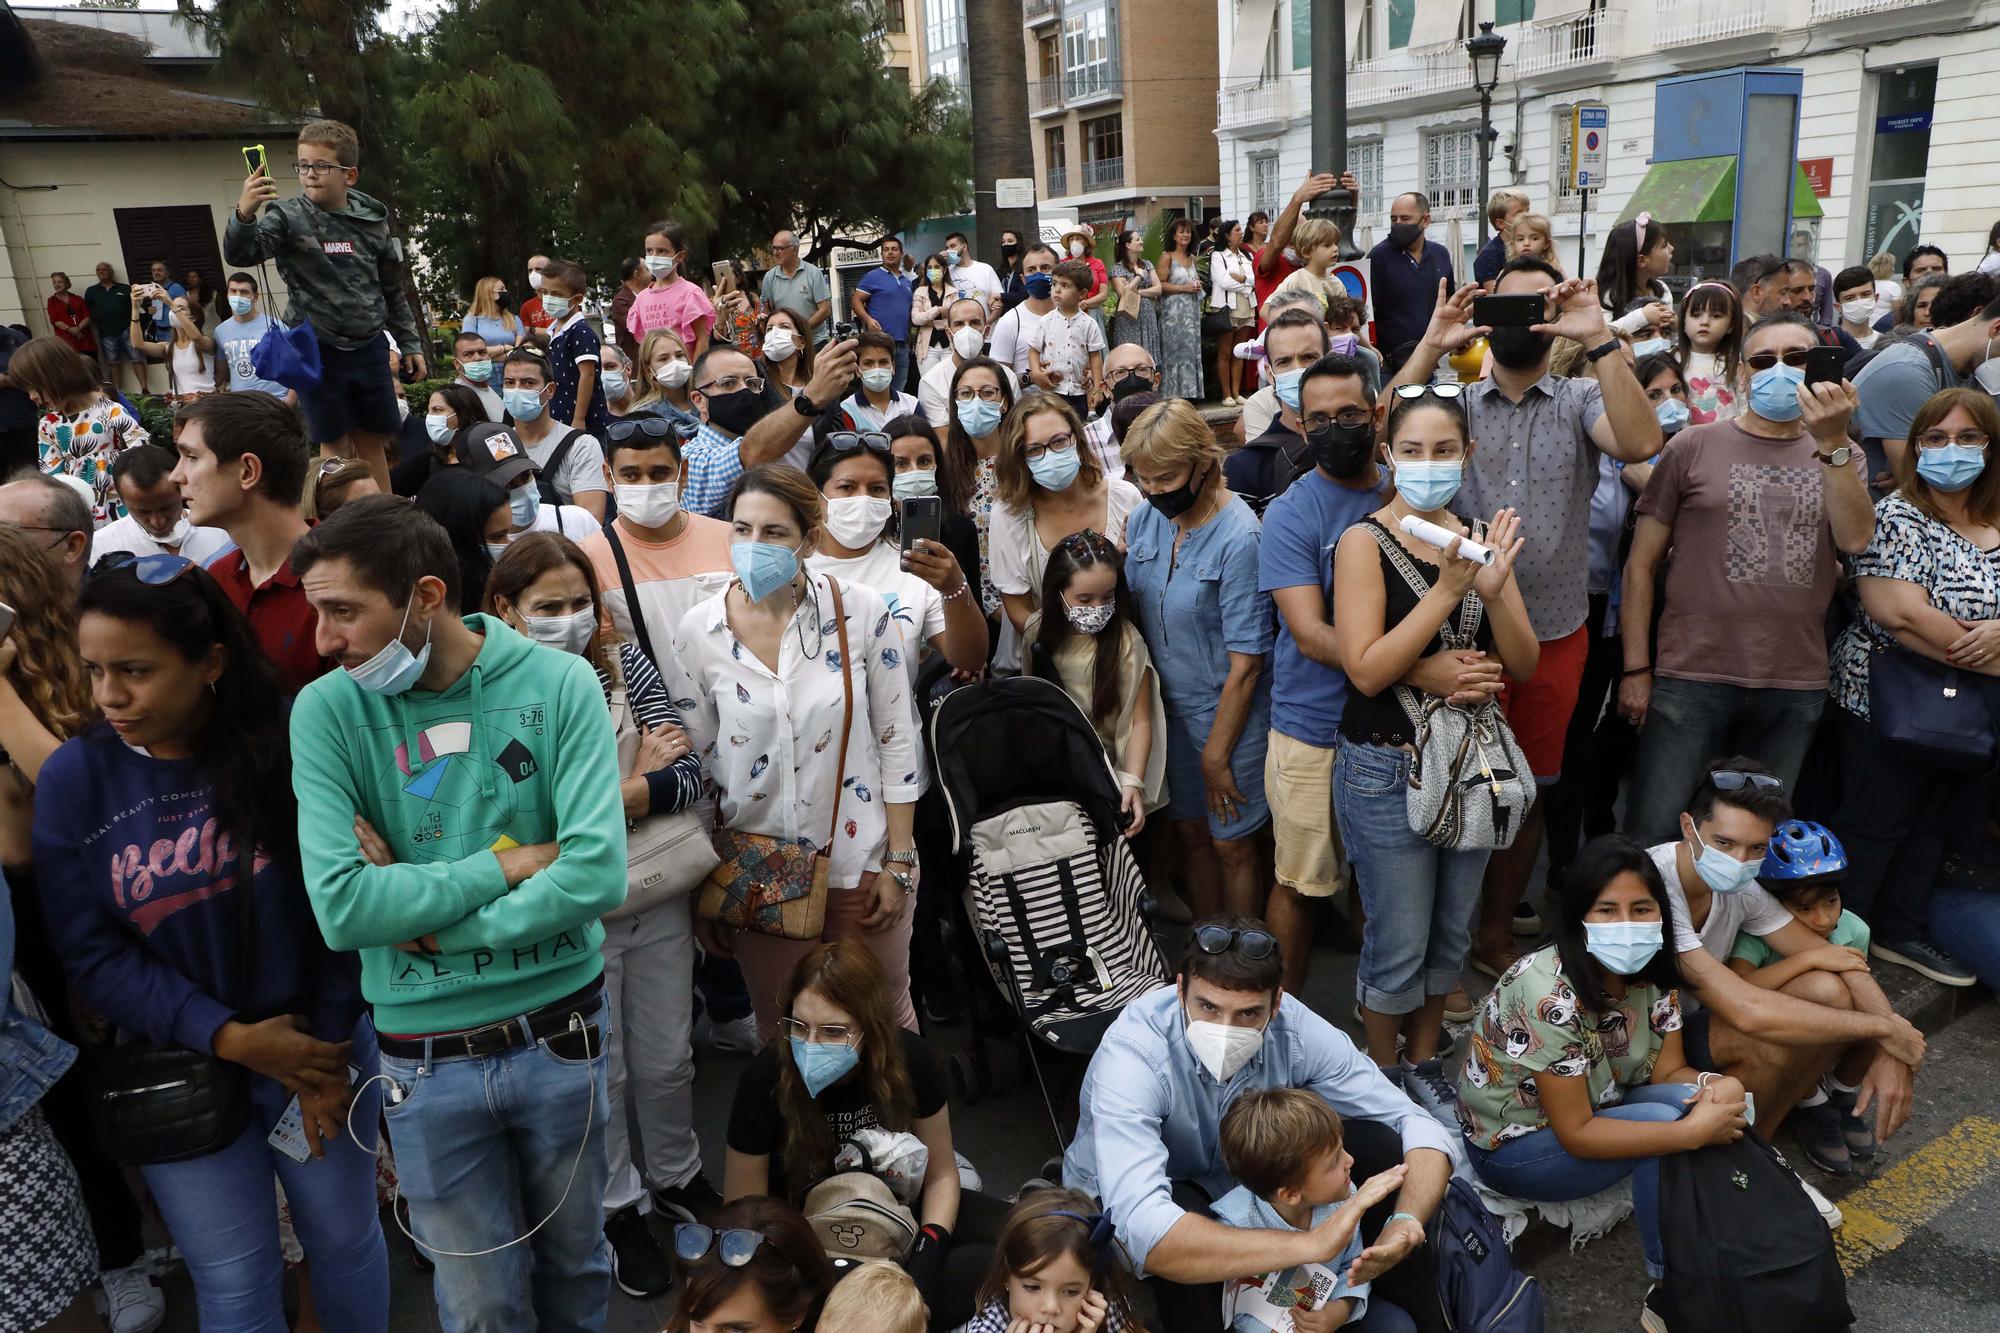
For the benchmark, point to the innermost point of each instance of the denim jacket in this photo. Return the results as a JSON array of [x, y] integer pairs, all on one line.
[[31, 1057]]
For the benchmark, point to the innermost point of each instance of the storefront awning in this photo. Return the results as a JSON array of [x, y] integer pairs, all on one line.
[[1703, 189]]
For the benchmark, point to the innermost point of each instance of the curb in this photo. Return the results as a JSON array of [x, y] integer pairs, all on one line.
[[1926, 1003]]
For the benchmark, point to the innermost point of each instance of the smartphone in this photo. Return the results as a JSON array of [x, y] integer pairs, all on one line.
[[6, 619], [922, 519], [254, 158], [719, 270], [1826, 365], [1515, 310]]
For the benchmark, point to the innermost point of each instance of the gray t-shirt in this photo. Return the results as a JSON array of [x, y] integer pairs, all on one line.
[[801, 294], [1750, 908]]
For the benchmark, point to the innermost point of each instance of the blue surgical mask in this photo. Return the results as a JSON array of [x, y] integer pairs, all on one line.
[[1722, 872], [763, 567], [1624, 947], [1056, 469], [477, 371], [615, 384], [242, 304], [1774, 392], [395, 669], [878, 379], [1429, 485], [1673, 414], [915, 482], [524, 502], [437, 425], [555, 307], [979, 417], [1951, 467], [1287, 388], [1640, 350], [522, 404], [822, 1064], [1039, 285]]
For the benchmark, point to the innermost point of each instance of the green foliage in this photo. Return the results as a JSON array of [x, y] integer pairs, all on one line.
[[156, 414], [418, 395]]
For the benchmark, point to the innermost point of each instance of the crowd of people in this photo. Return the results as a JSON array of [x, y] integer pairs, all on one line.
[[434, 767]]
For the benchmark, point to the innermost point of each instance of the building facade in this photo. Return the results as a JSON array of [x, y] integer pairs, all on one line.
[[1896, 130]]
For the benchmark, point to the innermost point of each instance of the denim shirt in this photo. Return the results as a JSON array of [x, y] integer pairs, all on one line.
[[31, 1057], [1150, 1115], [1199, 605]]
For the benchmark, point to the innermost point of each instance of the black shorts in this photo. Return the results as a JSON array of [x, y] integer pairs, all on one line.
[[1694, 1040], [355, 392]]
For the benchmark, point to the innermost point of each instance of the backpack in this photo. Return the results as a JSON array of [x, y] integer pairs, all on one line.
[[1478, 1286], [856, 1216], [545, 477], [1744, 1247]]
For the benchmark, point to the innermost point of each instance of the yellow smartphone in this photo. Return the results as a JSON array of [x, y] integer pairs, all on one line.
[[254, 159]]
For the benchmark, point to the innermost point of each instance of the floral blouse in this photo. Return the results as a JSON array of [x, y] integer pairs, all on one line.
[[1530, 1024], [768, 740], [985, 490], [82, 444]]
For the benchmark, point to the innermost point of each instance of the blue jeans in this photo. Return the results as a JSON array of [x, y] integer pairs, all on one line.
[[488, 1147], [222, 1211], [1965, 923], [1690, 722], [903, 368], [1536, 1166], [1419, 898]]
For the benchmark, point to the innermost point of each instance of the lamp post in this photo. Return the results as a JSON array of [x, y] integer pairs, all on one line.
[[1485, 50], [1329, 118]]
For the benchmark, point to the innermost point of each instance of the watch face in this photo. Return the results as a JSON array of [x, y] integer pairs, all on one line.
[[1841, 457]]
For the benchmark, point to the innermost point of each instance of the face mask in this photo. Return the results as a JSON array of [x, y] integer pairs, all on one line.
[[736, 412], [1951, 467], [879, 379], [393, 670], [954, 254], [1624, 947], [650, 506], [1222, 1049], [674, 374], [1519, 349], [1651, 347], [1054, 471], [503, 300], [437, 425], [1341, 451], [1287, 388], [177, 534], [1076, 249], [494, 550], [555, 307], [1008, 251], [856, 521], [979, 417], [241, 304], [763, 567], [1774, 393], [1428, 486], [476, 371], [524, 502], [1857, 312], [659, 266], [1987, 377], [934, 273], [568, 633], [1722, 872], [616, 386], [522, 404], [535, 281], [822, 1064], [1131, 382], [915, 482], [1174, 503], [1403, 235], [1088, 619], [1039, 285], [1673, 414], [779, 344], [1343, 343], [968, 342]]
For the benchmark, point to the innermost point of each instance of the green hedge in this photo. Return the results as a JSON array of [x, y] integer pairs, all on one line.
[[156, 414]]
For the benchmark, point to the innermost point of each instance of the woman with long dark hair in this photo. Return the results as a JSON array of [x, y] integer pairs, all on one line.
[[452, 410], [982, 397], [166, 838], [1180, 314], [473, 511], [1136, 319]]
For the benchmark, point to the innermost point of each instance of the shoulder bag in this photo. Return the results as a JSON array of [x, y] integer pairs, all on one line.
[[666, 856], [1470, 784], [1931, 711], [778, 886]]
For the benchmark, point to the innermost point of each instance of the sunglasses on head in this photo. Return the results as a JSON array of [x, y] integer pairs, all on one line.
[[1795, 358], [1446, 390], [1252, 943], [847, 441], [653, 428], [1733, 779], [734, 1246], [155, 571]]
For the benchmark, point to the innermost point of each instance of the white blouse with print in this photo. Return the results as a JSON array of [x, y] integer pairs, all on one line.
[[768, 741]]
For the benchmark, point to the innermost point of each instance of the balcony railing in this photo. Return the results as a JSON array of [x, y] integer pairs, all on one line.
[[1037, 11], [1847, 9], [1265, 103], [1104, 174], [1408, 74], [1095, 81], [1587, 39], [1696, 22], [1045, 96], [1058, 182]]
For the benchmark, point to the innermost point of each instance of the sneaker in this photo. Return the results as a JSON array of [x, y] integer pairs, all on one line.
[[132, 1304], [1653, 1314], [1460, 1007], [736, 1037], [1828, 1212], [1818, 1130], [1431, 1087], [1527, 921], [1925, 959], [638, 1264], [1855, 1129], [691, 1201]]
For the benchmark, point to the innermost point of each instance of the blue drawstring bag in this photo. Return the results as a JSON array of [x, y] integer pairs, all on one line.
[[288, 356]]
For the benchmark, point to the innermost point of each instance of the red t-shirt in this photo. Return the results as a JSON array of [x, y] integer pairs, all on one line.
[[1281, 270], [532, 314], [69, 308], [284, 621]]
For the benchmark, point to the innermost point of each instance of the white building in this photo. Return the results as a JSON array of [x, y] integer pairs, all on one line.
[[1897, 93]]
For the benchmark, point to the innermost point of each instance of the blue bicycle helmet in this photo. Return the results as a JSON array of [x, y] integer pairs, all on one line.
[[1801, 849]]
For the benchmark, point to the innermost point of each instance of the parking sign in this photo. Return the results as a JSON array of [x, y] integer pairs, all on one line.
[[1589, 145]]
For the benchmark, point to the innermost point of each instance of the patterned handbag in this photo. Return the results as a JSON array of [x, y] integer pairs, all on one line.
[[778, 886]]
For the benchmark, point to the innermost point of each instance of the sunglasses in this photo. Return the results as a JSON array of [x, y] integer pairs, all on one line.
[[693, 1241], [1732, 779], [847, 441], [1252, 943], [653, 428], [1435, 390], [1765, 360]]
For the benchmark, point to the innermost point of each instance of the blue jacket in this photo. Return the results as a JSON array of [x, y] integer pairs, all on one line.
[[31, 1057]]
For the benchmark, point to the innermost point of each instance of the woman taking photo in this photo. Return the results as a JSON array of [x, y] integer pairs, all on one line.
[[1191, 563], [475, 513], [1577, 1078], [982, 397], [1048, 485], [1233, 292], [1180, 315], [214, 947], [1628, 279], [1419, 897], [768, 650], [930, 309], [925, 467], [188, 353], [755, 1266], [1136, 319], [492, 317]]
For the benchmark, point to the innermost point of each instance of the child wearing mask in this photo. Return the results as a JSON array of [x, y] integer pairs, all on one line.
[[575, 350], [672, 302], [1066, 350]]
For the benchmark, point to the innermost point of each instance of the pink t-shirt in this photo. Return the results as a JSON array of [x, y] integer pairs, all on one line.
[[679, 306]]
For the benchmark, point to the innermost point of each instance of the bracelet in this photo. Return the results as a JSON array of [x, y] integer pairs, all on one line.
[[1635, 671], [1407, 1217], [964, 586]]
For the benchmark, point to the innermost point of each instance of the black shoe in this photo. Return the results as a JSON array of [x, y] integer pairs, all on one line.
[[1925, 959], [638, 1264], [692, 1201]]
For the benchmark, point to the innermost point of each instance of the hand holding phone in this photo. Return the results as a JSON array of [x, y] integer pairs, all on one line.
[[922, 519], [256, 160], [1513, 310], [1825, 365]]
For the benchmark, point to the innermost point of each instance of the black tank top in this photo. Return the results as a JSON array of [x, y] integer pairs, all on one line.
[[1380, 719]]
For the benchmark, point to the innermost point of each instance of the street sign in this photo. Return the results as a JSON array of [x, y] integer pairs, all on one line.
[[1014, 192], [1589, 145]]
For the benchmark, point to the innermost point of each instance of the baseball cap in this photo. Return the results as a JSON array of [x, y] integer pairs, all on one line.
[[495, 451]]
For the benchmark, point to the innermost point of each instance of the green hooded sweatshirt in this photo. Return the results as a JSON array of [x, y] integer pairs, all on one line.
[[518, 751], [342, 270]]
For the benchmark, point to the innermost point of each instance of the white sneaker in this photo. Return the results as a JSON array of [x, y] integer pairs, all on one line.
[[132, 1303], [1829, 1212], [738, 1035]]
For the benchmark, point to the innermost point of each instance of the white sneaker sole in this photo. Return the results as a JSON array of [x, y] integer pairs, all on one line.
[[1888, 954]]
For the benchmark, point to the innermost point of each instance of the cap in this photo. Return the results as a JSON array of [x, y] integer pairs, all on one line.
[[495, 451]]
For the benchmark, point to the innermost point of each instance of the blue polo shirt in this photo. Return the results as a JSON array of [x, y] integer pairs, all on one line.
[[888, 301], [1404, 292]]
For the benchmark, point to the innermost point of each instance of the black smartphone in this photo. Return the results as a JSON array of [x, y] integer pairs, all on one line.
[[253, 158], [1826, 365], [922, 520], [1515, 310]]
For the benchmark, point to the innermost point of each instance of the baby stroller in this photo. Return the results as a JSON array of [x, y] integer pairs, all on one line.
[[1054, 897]]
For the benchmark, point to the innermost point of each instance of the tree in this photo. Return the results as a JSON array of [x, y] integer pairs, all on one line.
[[997, 71], [304, 54]]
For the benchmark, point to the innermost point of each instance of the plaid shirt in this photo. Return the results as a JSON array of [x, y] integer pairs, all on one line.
[[710, 464]]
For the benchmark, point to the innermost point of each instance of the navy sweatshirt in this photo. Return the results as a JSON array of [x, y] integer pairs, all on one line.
[[141, 890]]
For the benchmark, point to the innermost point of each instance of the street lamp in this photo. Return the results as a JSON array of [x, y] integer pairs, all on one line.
[[1485, 51]]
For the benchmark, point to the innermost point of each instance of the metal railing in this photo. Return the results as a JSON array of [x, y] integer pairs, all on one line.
[[1847, 9], [1693, 22], [1408, 74], [1587, 39], [1103, 174], [1045, 95], [1058, 182], [1034, 11], [1254, 104]]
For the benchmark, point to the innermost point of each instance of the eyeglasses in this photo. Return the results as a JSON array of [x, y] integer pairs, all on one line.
[[1795, 358], [1937, 439], [1056, 444], [1734, 779], [839, 1034], [693, 1241], [990, 393], [653, 428], [1253, 944], [1346, 416], [315, 168], [847, 441], [732, 383], [1447, 390]]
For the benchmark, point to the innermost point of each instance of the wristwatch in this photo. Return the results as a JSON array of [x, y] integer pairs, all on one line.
[[1839, 457], [1602, 350], [907, 857], [804, 406]]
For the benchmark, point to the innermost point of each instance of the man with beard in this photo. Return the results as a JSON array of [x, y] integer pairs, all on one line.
[[1539, 438]]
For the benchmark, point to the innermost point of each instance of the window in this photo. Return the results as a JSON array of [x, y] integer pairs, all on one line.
[[1468, 20], [944, 25], [1365, 161], [1087, 52], [1364, 34], [1103, 152], [1269, 69], [1402, 18], [1567, 200], [950, 68], [1264, 182], [1055, 155], [1364, 45], [892, 14], [1506, 12], [1451, 170], [183, 235], [1048, 57]]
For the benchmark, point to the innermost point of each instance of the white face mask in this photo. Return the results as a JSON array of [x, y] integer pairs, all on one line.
[[651, 506], [570, 634], [1222, 1049], [968, 342], [176, 534], [535, 280], [1857, 312], [856, 520], [674, 374], [779, 344], [659, 265], [1076, 249]]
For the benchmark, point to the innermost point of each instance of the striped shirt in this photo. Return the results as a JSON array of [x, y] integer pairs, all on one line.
[[678, 785]]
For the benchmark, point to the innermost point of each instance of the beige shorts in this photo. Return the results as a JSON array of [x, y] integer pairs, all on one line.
[[1298, 784]]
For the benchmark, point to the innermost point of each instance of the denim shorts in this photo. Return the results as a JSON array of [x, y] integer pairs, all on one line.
[[355, 392], [114, 347], [1187, 792]]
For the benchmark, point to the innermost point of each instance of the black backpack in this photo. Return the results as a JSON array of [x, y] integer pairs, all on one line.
[[545, 477], [1479, 1288], [1744, 1246]]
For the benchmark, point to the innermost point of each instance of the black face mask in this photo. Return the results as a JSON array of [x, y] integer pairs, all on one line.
[[504, 300], [1519, 349], [1403, 235], [1009, 252], [1131, 382], [1342, 451], [1172, 504], [735, 412]]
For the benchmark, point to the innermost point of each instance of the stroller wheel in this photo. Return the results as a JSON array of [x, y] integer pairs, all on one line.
[[971, 1078]]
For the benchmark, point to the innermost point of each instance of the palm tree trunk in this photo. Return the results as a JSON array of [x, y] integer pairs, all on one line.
[[997, 70]]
